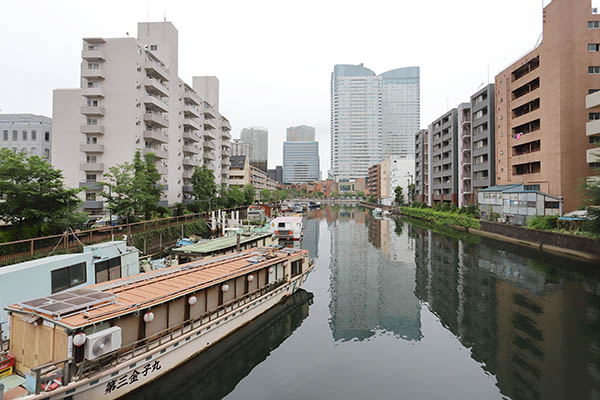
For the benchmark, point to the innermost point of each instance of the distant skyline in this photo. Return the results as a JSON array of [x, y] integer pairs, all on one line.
[[272, 75]]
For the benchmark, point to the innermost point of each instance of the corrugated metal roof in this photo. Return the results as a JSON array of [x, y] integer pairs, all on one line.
[[210, 246], [156, 287]]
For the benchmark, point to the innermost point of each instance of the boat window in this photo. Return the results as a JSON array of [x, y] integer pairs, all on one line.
[[67, 277], [108, 270], [282, 224], [296, 267]]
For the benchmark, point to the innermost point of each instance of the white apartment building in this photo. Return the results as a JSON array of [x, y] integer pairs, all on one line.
[[27, 133], [372, 116], [239, 148], [258, 138], [131, 98]]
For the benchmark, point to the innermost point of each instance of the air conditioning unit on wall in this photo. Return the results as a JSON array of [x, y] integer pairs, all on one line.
[[103, 342]]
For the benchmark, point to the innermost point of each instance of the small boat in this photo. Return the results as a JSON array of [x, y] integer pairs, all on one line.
[[106, 340], [287, 228], [377, 212]]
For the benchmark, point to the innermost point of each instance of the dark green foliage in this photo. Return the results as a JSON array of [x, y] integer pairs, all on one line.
[[399, 196], [205, 188], [439, 217], [544, 223], [34, 196], [249, 194], [169, 234]]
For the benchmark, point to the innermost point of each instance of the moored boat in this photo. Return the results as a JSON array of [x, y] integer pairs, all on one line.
[[287, 227], [106, 340]]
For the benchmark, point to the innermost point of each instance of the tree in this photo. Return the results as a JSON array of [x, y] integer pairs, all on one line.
[[265, 195], [282, 194], [33, 193], [133, 189], [146, 184], [249, 194], [372, 199], [236, 197], [205, 188], [399, 195], [335, 195]]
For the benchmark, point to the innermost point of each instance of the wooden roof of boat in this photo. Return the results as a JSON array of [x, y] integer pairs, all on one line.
[[152, 288]]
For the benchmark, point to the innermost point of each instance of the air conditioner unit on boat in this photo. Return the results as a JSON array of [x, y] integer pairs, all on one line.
[[103, 342]]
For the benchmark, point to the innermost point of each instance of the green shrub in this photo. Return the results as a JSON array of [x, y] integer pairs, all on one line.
[[453, 208], [440, 217], [544, 223], [445, 207]]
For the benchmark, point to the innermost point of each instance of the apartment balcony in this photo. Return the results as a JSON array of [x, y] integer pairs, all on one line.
[[593, 127], [91, 186], [92, 110], [96, 91], [187, 174], [91, 167], [190, 162], [225, 135], [156, 119], [159, 153], [188, 189], [93, 204], [93, 55], [209, 134], [192, 111], [191, 136], [226, 144], [209, 144], [95, 129], [225, 151], [210, 124], [154, 86], [96, 73], [592, 100], [209, 155], [225, 162], [190, 123], [156, 136], [593, 155], [91, 148], [190, 149], [162, 169], [209, 112], [155, 104], [192, 96], [225, 124], [154, 68]]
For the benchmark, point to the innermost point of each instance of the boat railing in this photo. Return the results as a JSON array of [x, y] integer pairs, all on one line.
[[88, 368]]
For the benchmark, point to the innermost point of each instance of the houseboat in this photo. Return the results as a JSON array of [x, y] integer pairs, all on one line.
[[223, 245], [106, 340], [287, 227], [54, 274]]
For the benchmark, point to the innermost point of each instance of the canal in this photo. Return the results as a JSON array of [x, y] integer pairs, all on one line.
[[395, 310]]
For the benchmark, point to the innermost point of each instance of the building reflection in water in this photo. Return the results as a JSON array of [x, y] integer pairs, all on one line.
[[215, 373], [534, 328], [372, 290]]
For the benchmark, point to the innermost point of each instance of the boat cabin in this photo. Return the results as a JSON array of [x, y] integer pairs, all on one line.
[[116, 316], [223, 245], [287, 227]]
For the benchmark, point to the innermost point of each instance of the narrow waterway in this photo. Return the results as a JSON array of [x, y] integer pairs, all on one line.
[[394, 310]]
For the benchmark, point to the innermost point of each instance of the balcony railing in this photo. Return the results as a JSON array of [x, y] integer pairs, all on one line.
[[157, 119], [91, 148], [159, 153], [190, 149], [85, 166], [156, 135], [93, 55], [92, 110], [96, 129]]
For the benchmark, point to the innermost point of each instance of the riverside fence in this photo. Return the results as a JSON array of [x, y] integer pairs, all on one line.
[[72, 241]]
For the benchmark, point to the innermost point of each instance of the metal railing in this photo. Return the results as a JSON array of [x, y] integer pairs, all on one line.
[[73, 240], [87, 368]]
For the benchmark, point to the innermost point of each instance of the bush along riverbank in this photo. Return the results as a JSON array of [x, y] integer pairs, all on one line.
[[455, 218]]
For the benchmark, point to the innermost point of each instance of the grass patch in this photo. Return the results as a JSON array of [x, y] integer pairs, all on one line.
[[441, 217]]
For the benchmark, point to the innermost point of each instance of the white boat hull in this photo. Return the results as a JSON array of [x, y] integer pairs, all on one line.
[[131, 375]]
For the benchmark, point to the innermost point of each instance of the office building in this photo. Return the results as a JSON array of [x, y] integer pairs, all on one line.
[[541, 136], [300, 155], [132, 99], [371, 116], [239, 148], [259, 139], [422, 166], [301, 133], [276, 174], [243, 173], [27, 133]]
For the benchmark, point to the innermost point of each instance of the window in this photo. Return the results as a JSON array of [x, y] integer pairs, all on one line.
[[532, 187], [91, 159], [47, 154], [24, 150], [594, 139], [68, 277], [296, 267], [90, 196], [552, 204], [93, 66], [92, 121], [47, 136], [34, 135], [15, 136], [5, 135], [593, 24], [153, 47], [592, 91], [594, 116], [92, 103], [108, 270], [92, 140], [594, 70], [593, 47], [90, 177], [24, 135]]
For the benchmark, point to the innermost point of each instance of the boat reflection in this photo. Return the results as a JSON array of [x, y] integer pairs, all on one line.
[[215, 373]]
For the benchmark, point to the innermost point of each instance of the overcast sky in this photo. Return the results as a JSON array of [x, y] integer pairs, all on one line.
[[274, 58]]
